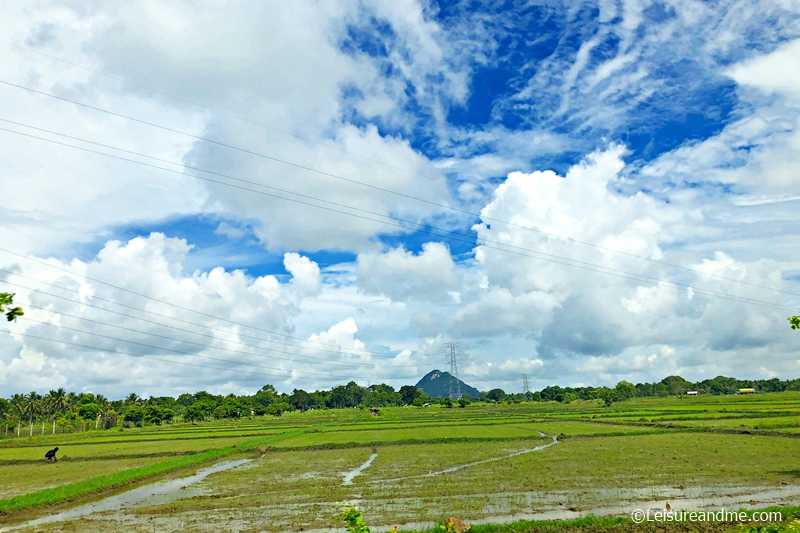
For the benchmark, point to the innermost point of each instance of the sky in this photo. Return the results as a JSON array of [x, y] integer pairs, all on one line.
[[220, 195]]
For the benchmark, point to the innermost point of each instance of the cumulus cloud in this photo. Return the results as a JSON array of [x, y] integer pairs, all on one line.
[[429, 275], [304, 271], [342, 335], [78, 330], [775, 72], [578, 285]]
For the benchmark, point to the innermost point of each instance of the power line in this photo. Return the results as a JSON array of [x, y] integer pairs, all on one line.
[[232, 115], [164, 301], [153, 313], [423, 228], [96, 348], [327, 374], [369, 185], [488, 377], [221, 112], [297, 359]]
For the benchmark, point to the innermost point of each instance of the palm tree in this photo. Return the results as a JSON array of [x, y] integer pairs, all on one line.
[[132, 398], [18, 405], [33, 407], [57, 402], [105, 406]]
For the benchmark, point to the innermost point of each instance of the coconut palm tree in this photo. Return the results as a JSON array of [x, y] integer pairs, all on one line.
[[57, 402], [18, 405], [33, 407], [105, 406], [132, 398]]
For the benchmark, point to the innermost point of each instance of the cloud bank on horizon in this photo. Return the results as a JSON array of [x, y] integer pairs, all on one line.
[[583, 192]]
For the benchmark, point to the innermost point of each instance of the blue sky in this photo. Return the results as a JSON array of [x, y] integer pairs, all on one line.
[[574, 140]]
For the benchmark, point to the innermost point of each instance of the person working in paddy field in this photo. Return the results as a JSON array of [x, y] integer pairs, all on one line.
[[51, 454]]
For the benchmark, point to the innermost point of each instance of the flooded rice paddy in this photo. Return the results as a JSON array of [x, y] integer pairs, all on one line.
[[412, 469]]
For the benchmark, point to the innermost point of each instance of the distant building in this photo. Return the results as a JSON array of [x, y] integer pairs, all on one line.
[[747, 391], [691, 393]]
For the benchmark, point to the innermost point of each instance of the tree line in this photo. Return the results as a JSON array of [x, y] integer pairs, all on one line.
[[669, 386], [62, 411]]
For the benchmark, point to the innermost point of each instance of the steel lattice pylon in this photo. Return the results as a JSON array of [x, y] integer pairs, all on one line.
[[455, 383]]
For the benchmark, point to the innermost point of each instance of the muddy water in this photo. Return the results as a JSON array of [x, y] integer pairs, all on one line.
[[155, 494], [348, 476], [498, 508], [119, 512], [474, 463]]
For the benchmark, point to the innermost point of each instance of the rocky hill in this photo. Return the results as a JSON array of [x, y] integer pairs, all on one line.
[[437, 384]]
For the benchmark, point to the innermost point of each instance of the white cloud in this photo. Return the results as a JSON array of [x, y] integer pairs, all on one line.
[[725, 206], [304, 271], [342, 335], [777, 72], [429, 275]]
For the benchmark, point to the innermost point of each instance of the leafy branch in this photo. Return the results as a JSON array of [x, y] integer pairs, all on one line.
[[7, 300]]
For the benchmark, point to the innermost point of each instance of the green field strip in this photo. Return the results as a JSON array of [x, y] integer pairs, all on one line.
[[17, 480], [120, 439], [124, 448], [744, 423], [71, 491]]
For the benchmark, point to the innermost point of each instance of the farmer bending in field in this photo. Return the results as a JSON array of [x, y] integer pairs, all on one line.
[[51, 454]]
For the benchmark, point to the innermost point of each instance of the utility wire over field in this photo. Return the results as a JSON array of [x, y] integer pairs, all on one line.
[[424, 228], [360, 183]]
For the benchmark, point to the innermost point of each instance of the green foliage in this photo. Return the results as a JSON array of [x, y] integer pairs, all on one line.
[[447, 402], [277, 409], [463, 402], [794, 321], [135, 415], [676, 385], [625, 390], [409, 393], [7, 300], [300, 400], [494, 395], [199, 411], [353, 521], [154, 414], [89, 411]]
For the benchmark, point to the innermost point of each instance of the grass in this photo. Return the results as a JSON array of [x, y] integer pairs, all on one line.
[[607, 455], [108, 481], [117, 479], [21, 479], [79, 452]]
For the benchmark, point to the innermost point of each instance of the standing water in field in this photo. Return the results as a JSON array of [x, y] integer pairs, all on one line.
[[154, 494], [473, 463], [348, 476]]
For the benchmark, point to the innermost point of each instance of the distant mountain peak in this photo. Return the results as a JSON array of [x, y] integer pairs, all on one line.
[[437, 384]]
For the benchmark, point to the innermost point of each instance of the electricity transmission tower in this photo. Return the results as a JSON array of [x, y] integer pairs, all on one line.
[[526, 386], [455, 383]]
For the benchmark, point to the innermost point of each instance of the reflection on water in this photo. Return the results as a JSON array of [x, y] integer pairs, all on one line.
[[155, 494], [473, 463], [348, 476]]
